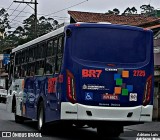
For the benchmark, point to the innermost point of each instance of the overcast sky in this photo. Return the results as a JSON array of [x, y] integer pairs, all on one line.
[[46, 7]]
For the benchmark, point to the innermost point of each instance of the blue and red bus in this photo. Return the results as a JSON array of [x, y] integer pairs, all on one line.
[[100, 75]]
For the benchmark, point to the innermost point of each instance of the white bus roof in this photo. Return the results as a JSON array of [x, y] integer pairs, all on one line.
[[39, 39]]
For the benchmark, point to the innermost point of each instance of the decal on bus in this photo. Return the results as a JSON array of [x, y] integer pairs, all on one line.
[[91, 73]]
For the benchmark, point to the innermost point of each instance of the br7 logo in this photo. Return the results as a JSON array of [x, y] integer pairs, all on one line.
[[91, 73]]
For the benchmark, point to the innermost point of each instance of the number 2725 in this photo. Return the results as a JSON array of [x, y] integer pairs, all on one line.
[[139, 73]]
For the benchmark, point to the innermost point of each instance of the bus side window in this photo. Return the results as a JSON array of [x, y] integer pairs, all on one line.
[[40, 58], [17, 62], [31, 69], [59, 53], [39, 67], [23, 70], [31, 54], [50, 65], [22, 57], [19, 58], [36, 52], [17, 72], [23, 63], [26, 55], [50, 48], [60, 45], [41, 50], [11, 69], [17, 68], [51, 56]]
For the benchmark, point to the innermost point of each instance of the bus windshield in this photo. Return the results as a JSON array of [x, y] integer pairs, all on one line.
[[109, 45]]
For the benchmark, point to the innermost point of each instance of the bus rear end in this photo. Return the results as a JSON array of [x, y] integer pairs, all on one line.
[[108, 72]]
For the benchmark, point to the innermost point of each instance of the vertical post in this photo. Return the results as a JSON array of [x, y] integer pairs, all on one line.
[[35, 18], [35, 10]]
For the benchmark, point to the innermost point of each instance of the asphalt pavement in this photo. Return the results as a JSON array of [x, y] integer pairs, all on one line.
[[147, 131]]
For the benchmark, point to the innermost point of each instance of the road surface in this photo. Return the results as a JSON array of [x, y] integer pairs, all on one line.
[[7, 124]]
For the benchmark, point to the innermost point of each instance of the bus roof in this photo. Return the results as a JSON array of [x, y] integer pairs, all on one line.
[[39, 39], [109, 25]]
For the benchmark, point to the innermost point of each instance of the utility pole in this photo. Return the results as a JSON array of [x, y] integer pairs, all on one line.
[[35, 11]]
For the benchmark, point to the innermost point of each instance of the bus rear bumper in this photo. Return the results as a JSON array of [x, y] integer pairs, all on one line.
[[77, 111]]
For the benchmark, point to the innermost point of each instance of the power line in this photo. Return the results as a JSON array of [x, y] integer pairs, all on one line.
[[17, 21], [66, 8], [19, 13], [50, 13], [59, 18], [30, 13], [15, 10], [9, 6], [35, 11], [18, 16]]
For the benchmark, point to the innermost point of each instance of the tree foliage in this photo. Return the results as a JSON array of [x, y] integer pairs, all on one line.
[[4, 22], [147, 8], [25, 32], [129, 11], [114, 11]]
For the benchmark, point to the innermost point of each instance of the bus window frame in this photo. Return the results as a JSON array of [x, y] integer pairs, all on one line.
[[42, 51], [53, 55], [58, 69], [32, 58]]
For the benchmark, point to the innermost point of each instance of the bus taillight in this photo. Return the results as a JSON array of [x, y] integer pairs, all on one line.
[[147, 92], [71, 93]]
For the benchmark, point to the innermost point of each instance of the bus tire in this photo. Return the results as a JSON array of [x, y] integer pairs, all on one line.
[[41, 118], [19, 119], [109, 131]]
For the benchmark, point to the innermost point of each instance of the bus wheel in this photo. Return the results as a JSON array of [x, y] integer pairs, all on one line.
[[41, 119], [109, 131], [19, 119]]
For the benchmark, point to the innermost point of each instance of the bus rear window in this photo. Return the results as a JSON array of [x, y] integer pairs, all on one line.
[[109, 45]]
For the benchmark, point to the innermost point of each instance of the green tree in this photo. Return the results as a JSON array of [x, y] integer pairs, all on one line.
[[129, 11], [46, 25], [20, 34], [4, 26], [4, 22], [26, 32], [134, 10], [147, 8], [114, 11], [29, 27]]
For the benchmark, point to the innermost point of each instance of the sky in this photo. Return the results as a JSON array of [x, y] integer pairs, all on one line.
[[59, 8]]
